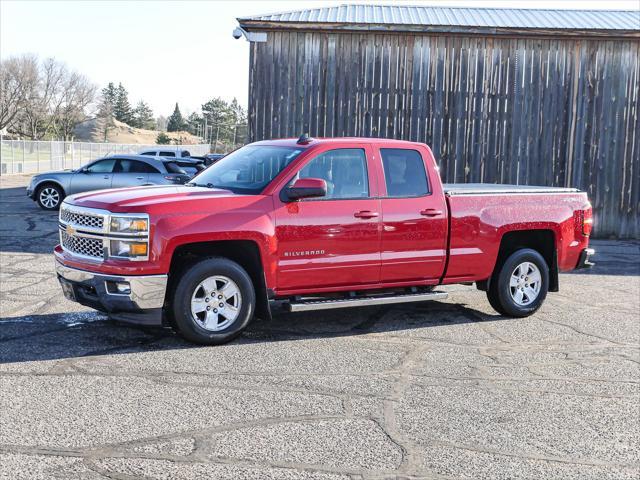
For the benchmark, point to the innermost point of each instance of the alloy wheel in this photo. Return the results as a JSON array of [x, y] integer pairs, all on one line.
[[216, 303], [525, 283], [49, 197]]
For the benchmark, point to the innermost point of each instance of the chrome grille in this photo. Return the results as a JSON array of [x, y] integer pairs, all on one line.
[[80, 219], [89, 247]]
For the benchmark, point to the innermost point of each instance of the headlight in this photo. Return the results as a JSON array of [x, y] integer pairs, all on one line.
[[128, 249], [129, 225], [136, 228]]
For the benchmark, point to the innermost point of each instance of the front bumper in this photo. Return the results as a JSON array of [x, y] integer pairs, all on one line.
[[584, 260], [141, 303]]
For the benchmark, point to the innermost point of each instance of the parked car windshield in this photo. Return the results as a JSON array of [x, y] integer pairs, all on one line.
[[247, 170]]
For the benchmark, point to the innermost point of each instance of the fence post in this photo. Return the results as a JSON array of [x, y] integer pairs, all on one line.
[[13, 169], [215, 148], [37, 156], [24, 147]]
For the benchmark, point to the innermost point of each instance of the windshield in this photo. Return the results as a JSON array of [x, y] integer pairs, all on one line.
[[248, 169]]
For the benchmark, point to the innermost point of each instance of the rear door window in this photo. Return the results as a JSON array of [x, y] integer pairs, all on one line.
[[404, 173], [134, 166], [167, 154]]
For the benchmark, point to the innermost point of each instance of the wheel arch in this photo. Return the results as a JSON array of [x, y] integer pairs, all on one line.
[[541, 240], [245, 253], [48, 181]]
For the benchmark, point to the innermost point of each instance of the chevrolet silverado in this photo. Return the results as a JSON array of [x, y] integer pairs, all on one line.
[[313, 224]]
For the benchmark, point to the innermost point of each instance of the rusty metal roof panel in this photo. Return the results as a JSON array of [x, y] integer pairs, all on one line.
[[458, 17]]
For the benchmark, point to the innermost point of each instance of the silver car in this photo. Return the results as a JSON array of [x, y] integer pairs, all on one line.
[[49, 189]]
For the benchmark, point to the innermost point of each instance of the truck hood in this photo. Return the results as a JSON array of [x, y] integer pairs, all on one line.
[[151, 198]]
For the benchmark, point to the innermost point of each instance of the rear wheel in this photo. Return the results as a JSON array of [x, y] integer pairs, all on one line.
[[519, 286], [213, 302], [50, 196]]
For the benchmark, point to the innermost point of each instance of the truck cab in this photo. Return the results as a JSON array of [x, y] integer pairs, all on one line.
[[314, 224]]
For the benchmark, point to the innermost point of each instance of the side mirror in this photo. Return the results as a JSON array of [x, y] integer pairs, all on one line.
[[83, 170], [306, 188]]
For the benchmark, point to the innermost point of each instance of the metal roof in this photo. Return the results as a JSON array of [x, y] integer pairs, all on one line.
[[369, 16]]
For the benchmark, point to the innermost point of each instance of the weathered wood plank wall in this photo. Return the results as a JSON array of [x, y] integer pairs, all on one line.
[[544, 111]]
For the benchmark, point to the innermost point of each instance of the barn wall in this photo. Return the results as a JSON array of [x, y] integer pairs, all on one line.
[[560, 112]]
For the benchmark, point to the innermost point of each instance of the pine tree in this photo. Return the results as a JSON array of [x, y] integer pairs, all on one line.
[[163, 139], [143, 116], [176, 122], [122, 108], [109, 95], [238, 112], [217, 112], [194, 123], [105, 114]]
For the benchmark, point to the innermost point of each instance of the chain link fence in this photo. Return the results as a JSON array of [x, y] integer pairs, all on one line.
[[27, 156], [224, 138]]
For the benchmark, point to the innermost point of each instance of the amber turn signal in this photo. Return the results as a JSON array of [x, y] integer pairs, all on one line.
[[137, 249]]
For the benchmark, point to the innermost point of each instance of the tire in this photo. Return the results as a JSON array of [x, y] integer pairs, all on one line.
[[49, 196], [520, 284], [221, 294]]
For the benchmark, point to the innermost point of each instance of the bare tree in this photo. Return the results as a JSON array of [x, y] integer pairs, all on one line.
[[78, 94], [18, 81], [39, 113], [55, 102]]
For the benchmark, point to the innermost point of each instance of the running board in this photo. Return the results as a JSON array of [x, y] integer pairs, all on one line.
[[303, 306]]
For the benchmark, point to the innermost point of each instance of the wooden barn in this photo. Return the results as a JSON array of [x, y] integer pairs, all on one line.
[[546, 97]]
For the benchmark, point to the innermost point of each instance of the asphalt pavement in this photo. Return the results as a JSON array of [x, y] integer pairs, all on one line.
[[437, 390]]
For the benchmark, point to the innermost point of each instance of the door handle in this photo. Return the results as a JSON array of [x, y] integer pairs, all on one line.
[[430, 212], [139, 178], [365, 214], [106, 177]]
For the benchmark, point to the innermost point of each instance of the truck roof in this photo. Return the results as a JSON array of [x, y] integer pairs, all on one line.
[[293, 142]]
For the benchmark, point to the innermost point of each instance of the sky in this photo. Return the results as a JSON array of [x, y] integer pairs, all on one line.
[[165, 52]]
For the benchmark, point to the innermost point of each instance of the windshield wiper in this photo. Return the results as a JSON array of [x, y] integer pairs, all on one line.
[[194, 184]]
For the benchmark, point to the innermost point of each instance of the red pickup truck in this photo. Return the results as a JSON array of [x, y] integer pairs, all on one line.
[[314, 224]]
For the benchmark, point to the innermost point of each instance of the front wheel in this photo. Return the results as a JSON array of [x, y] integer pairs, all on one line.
[[213, 302], [49, 197], [520, 285]]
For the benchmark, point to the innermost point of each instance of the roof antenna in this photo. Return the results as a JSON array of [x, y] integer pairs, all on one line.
[[304, 139]]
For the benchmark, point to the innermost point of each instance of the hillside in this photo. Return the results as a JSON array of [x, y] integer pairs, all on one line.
[[90, 131]]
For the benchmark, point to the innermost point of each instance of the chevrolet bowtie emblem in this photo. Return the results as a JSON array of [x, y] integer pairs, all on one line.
[[70, 230]]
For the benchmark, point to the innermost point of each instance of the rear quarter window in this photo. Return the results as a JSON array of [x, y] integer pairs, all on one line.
[[173, 168]]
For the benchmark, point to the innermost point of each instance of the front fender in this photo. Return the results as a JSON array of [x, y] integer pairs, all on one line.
[[63, 183]]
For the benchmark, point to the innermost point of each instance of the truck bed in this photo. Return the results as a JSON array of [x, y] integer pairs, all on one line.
[[452, 189], [480, 214]]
